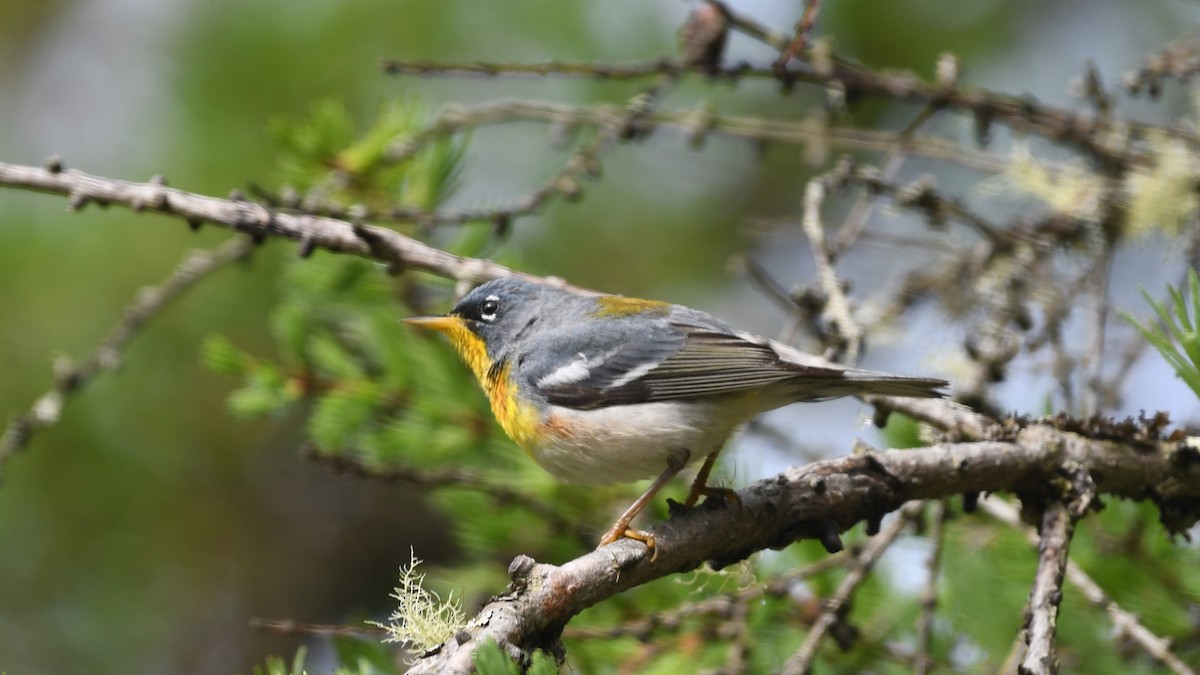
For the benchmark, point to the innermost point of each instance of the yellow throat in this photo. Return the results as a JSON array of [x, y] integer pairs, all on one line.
[[519, 420]]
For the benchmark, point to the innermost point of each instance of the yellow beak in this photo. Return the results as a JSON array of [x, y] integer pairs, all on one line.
[[438, 323]]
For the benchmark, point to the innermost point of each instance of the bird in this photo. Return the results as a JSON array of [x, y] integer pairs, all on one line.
[[601, 389]]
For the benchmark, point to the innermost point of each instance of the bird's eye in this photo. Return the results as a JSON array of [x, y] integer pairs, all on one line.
[[487, 310]]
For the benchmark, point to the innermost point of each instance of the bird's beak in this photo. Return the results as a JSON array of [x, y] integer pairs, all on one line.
[[438, 323]]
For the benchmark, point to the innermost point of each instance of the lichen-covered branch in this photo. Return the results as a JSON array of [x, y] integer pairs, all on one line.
[[816, 501]]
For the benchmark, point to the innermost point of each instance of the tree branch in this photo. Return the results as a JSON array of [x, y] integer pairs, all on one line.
[[812, 8], [848, 336], [68, 378], [812, 502], [697, 125], [312, 232], [929, 595], [1057, 528], [1067, 127], [1124, 622]]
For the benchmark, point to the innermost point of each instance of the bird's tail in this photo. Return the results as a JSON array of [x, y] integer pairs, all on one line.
[[887, 384], [818, 379]]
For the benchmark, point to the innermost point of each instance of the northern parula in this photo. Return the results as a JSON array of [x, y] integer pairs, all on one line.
[[602, 389]]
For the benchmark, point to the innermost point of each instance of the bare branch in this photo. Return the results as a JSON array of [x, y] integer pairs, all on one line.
[[812, 8], [929, 595], [1126, 623], [625, 123], [600, 71], [921, 195], [1180, 60], [837, 310], [150, 301], [759, 31], [1064, 126], [312, 232], [1040, 656], [1057, 528], [893, 159], [290, 627], [457, 118]]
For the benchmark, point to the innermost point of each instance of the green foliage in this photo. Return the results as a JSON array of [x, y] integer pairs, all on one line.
[[1144, 571], [365, 662], [221, 356], [277, 666], [1175, 336], [369, 656], [324, 157], [902, 431], [266, 388]]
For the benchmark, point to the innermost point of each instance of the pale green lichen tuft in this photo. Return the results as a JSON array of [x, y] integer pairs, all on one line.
[[423, 620], [1162, 194], [1069, 189]]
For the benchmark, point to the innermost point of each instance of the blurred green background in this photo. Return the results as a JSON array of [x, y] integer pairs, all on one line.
[[143, 532]]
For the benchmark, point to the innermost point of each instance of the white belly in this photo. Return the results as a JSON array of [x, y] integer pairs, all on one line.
[[624, 443]]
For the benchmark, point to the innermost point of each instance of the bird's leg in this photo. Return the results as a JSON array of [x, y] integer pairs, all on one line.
[[620, 529], [701, 488]]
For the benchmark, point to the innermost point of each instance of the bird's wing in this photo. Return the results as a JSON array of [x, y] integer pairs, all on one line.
[[671, 361]]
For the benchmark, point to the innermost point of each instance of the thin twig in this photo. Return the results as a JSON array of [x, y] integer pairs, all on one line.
[[812, 8], [837, 309], [921, 195], [629, 122], [1057, 529], [1126, 623], [759, 31], [454, 119], [1064, 126], [106, 356], [290, 627], [929, 595], [1046, 595], [738, 635], [600, 71], [1101, 279], [893, 159], [1180, 60], [859, 568]]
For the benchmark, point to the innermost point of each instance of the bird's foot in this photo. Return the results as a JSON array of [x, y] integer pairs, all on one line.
[[698, 491], [620, 530]]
